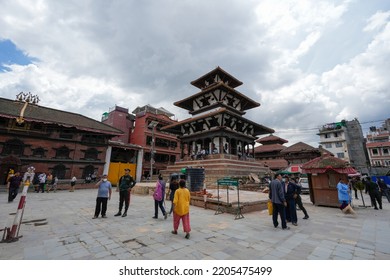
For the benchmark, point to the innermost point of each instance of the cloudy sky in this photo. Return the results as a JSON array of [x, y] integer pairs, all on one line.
[[307, 63]]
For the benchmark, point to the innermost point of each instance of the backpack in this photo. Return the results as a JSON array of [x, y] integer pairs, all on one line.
[[158, 194]]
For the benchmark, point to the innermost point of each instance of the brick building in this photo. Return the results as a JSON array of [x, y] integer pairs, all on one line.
[[378, 148], [299, 153], [63, 143], [160, 148], [121, 153], [120, 118]]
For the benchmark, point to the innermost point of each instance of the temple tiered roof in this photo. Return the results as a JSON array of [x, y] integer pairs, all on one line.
[[218, 124], [215, 76]]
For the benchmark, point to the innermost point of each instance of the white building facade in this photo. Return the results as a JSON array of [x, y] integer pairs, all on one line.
[[346, 141], [334, 139]]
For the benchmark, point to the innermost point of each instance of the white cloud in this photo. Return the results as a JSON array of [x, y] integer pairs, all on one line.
[[305, 45], [95, 54], [82, 94], [286, 19], [359, 88], [377, 21]]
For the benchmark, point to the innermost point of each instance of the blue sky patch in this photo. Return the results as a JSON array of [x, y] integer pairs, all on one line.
[[10, 54]]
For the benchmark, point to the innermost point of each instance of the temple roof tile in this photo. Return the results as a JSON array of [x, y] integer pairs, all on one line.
[[247, 103], [218, 74]]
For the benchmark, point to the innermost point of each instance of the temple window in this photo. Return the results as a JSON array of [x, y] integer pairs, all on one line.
[[63, 152], [88, 171], [91, 153], [39, 152], [66, 134], [59, 171], [13, 147]]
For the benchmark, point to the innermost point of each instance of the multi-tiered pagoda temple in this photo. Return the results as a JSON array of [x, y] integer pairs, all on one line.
[[217, 125]]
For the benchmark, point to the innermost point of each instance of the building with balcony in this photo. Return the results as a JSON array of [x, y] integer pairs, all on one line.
[[161, 148], [345, 140], [333, 138], [378, 148]]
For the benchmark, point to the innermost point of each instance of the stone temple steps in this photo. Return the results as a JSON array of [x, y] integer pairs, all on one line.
[[218, 168]]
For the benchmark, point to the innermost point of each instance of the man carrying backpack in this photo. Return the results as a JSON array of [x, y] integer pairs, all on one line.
[[126, 183]]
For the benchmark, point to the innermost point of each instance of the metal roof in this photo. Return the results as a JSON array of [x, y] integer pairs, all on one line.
[[35, 113]]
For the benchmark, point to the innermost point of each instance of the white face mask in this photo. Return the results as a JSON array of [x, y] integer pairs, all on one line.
[[104, 180]]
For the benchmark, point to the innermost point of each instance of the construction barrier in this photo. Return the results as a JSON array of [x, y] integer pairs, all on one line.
[[12, 234]]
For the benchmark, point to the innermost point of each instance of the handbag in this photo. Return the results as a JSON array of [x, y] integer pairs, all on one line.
[[270, 207]]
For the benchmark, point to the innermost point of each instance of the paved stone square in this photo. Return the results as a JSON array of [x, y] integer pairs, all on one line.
[[59, 226]]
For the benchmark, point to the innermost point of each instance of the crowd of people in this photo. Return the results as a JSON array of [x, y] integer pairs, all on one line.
[[284, 193], [376, 190], [42, 182], [178, 194], [349, 189], [180, 198], [202, 153]]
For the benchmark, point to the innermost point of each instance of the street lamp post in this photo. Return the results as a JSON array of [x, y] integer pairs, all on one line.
[[152, 126]]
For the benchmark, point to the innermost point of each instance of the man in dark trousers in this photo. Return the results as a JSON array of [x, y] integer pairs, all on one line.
[[384, 189], [291, 190], [126, 183], [298, 200], [14, 183], [276, 195], [375, 195]]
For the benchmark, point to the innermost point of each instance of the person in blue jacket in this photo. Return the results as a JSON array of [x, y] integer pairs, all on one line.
[[344, 197]]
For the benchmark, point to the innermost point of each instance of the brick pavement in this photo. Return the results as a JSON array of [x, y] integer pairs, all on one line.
[[64, 230]]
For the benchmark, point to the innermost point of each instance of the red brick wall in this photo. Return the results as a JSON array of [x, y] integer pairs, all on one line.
[[138, 136], [120, 121], [75, 164]]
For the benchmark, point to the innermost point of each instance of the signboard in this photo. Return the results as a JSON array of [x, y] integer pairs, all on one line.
[[227, 182], [295, 169]]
